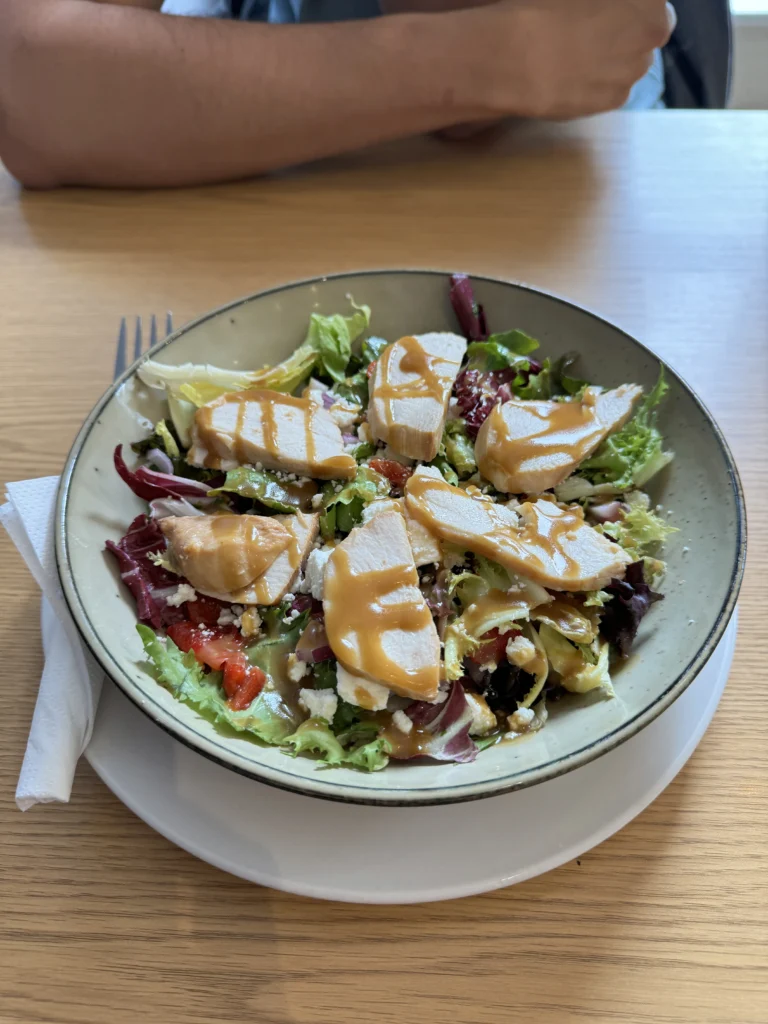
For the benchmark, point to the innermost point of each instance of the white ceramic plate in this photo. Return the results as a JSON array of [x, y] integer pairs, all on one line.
[[261, 834], [675, 640]]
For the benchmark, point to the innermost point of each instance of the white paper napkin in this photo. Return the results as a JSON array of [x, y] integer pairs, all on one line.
[[71, 682]]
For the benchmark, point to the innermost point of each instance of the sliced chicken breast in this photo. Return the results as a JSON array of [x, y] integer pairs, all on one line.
[[222, 555], [552, 546], [295, 435], [530, 447], [376, 618], [279, 579], [425, 546], [410, 392]]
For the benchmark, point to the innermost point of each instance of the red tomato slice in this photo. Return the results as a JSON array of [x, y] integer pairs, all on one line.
[[395, 472], [222, 649], [493, 649], [205, 610], [249, 689]]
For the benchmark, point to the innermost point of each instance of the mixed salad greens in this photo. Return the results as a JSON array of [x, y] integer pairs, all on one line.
[[509, 645]]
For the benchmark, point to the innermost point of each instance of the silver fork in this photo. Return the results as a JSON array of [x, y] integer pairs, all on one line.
[[121, 357]]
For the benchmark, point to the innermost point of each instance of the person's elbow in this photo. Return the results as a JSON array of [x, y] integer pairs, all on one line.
[[26, 147]]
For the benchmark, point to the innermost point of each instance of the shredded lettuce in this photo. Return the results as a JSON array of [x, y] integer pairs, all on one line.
[[458, 448], [444, 467], [640, 531], [538, 385], [458, 644], [501, 351], [634, 454], [315, 737], [576, 673], [260, 485], [343, 509], [331, 337], [182, 417], [268, 718], [372, 348]]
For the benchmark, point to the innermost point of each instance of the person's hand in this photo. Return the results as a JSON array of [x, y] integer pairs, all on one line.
[[562, 58]]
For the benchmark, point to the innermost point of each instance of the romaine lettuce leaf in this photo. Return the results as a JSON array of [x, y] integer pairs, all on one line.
[[343, 509], [501, 351], [371, 349], [331, 337], [561, 379], [459, 449], [260, 485], [631, 456], [327, 348]]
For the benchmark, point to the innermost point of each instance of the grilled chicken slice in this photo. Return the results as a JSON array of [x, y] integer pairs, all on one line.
[[552, 546], [223, 555], [410, 392], [278, 580], [376, 618], [530, 447], [425, 546], [295, 435]]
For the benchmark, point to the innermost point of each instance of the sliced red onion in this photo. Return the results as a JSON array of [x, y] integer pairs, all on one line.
[[148, 484], [163, 508], [160, 460], [350, 438], [312, 657], [609, 512], [328, 399], [302, 603]]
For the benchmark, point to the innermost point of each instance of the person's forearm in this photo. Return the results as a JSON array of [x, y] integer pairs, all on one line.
[[113, 95]]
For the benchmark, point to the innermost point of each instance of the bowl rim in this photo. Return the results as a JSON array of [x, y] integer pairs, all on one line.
[[347, 792]]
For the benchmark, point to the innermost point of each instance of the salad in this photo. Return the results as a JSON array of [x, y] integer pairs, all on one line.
[[392, 548]]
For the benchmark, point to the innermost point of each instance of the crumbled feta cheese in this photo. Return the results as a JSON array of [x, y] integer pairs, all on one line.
[[361, 692], [402, 722], [520, 651], [290, 598], [317, 499], [183, 594], [319, 703], [226, 617], [315, 571], [521, 720], [442, 695], [483, 719], [250, 622], [345, 415], [295, 668]]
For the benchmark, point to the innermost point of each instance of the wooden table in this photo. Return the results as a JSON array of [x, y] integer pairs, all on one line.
[[659, 221]]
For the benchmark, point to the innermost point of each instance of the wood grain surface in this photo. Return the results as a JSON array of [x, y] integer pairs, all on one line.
[[659, 222]]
